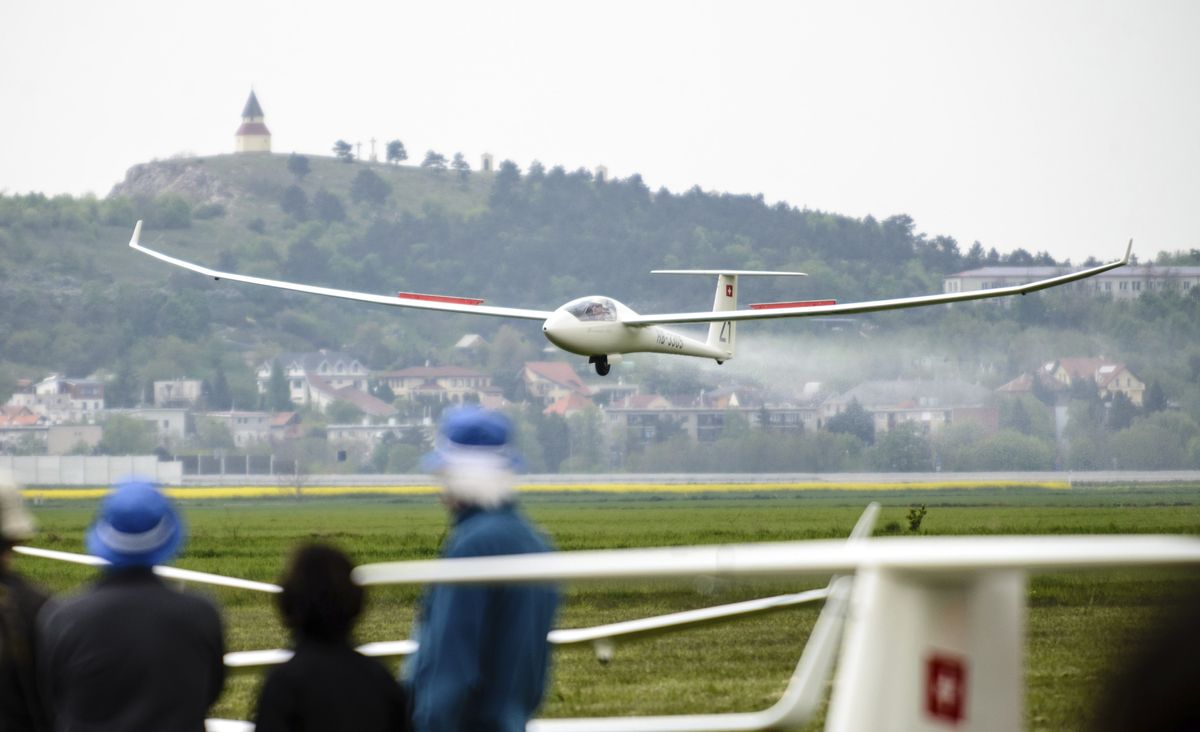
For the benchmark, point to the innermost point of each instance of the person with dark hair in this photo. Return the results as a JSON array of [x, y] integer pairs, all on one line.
[[131, 653], [20, 703], [327, 685], [1155, 682], [483, 659]]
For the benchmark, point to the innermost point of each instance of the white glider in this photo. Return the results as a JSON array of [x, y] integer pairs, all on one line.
[[927, 634], [604, 329], [602, 637]]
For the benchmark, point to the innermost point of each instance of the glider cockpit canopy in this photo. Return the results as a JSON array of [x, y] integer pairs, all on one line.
[[592, 308]]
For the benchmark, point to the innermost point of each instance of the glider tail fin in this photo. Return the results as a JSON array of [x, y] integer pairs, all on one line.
[[721, 333]]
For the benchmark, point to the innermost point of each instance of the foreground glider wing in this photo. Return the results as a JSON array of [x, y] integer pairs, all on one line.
[[870, 306], [404, 300], [787, 559]]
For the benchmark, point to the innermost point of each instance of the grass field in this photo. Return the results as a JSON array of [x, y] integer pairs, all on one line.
[[1078, 625]]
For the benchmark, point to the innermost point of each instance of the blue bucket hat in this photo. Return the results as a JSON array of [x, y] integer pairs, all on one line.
[[472, 435], [136, 526]]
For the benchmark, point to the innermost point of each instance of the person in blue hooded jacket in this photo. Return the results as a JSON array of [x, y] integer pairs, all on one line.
[[483, 658]]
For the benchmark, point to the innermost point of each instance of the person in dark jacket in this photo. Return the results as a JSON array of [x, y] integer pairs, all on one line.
[[483, 658], [20, 702], [131, 654], [327, 686]]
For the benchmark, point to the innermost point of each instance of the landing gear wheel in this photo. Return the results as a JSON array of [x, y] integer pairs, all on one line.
[[602, 365]]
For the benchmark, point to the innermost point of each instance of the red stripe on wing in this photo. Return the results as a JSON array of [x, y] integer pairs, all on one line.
[[798, 304], [439, 298]]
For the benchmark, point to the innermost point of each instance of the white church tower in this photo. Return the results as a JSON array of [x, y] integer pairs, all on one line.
[[253, 135]]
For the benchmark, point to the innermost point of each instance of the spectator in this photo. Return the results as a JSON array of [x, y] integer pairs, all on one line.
[[327, 686], [483, 657], [1155, 682], [131, 654], [20, 704]]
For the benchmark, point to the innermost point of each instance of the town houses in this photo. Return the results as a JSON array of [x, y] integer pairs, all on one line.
[[335, 405]]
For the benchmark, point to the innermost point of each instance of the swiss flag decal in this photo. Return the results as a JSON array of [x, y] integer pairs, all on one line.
[[728, 290], [946, 688]]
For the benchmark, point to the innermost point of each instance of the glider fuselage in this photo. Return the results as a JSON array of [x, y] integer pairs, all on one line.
[[594, 326]]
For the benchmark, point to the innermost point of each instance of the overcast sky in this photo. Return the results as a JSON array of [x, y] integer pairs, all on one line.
[[1060, 126]]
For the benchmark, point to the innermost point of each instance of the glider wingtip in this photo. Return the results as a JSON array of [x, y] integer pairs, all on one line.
[[1128, 252], [137, 233]]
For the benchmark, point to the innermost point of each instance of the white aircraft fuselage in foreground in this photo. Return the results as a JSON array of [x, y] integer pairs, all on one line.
[[604, 330]]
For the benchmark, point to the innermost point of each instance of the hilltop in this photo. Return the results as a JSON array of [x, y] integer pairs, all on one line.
[[249, 186]]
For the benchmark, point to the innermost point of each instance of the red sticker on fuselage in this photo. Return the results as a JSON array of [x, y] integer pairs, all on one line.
[[946, 688], [728, 290]]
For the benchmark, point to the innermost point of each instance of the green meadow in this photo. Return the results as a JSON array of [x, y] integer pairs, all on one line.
[[1079, 625]]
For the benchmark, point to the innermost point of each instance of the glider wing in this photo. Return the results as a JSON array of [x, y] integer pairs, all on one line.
[[403, 300], [870, 306]]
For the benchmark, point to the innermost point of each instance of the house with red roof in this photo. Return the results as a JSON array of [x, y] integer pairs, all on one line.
[[572, 403], [61, 400], [285, 426], [1110, 377], [549, 381], [367, 404]]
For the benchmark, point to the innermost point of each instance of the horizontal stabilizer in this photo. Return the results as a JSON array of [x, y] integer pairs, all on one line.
[[739, 272]]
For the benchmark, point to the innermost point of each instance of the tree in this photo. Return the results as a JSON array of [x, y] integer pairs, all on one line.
[[1009, 450], [219, 396], [381, 391], [343, 412], [507, 353], [367, 187], [295, 203], [461, 165], [343, 151], [212, 435], [588, 448], [328, 206], [1121, 412], [1155, 400], [305, 260], [506, 186], [396, 152], [902, 449], [1149, 445], [915, 516], [170, 212], [279, 393], [975, 256], [553, 434], [123, 390], [297, 165], [126, 436], [853, 420], [434, 160]]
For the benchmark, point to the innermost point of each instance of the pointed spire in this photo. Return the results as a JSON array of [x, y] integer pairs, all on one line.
[[252, 108]]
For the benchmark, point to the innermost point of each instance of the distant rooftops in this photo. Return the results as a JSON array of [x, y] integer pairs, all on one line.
[[1042, 272]]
